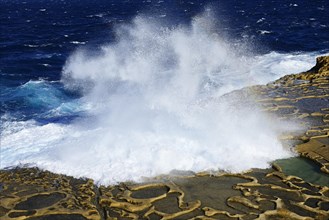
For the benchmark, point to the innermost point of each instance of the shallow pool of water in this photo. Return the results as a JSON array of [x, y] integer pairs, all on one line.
[[305, 169]]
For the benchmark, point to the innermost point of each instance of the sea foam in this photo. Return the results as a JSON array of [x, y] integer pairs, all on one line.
[[154, 103]]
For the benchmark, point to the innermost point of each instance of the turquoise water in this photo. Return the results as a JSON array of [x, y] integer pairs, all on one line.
[[305, 169]]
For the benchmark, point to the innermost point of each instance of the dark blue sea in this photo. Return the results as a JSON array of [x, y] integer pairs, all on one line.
[[117, 90]]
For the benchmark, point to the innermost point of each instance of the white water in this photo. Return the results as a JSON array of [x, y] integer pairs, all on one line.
[[154, 100]]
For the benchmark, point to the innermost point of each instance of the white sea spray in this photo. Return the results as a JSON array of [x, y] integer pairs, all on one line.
[[154, 101]]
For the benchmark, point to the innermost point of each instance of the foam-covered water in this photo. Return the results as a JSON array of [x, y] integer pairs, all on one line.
[[148, 102]]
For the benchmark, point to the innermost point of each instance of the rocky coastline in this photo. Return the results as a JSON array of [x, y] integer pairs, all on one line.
[[31, 193]]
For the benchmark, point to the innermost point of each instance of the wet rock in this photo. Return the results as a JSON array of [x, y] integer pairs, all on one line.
[[30, 192]]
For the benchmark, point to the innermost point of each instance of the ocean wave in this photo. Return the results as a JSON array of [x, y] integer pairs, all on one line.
[[39, 99], [262, 32], [78, 42], [155, 103], [38, 45]]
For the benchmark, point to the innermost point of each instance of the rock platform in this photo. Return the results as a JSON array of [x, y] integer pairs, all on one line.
[[34, 194]]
